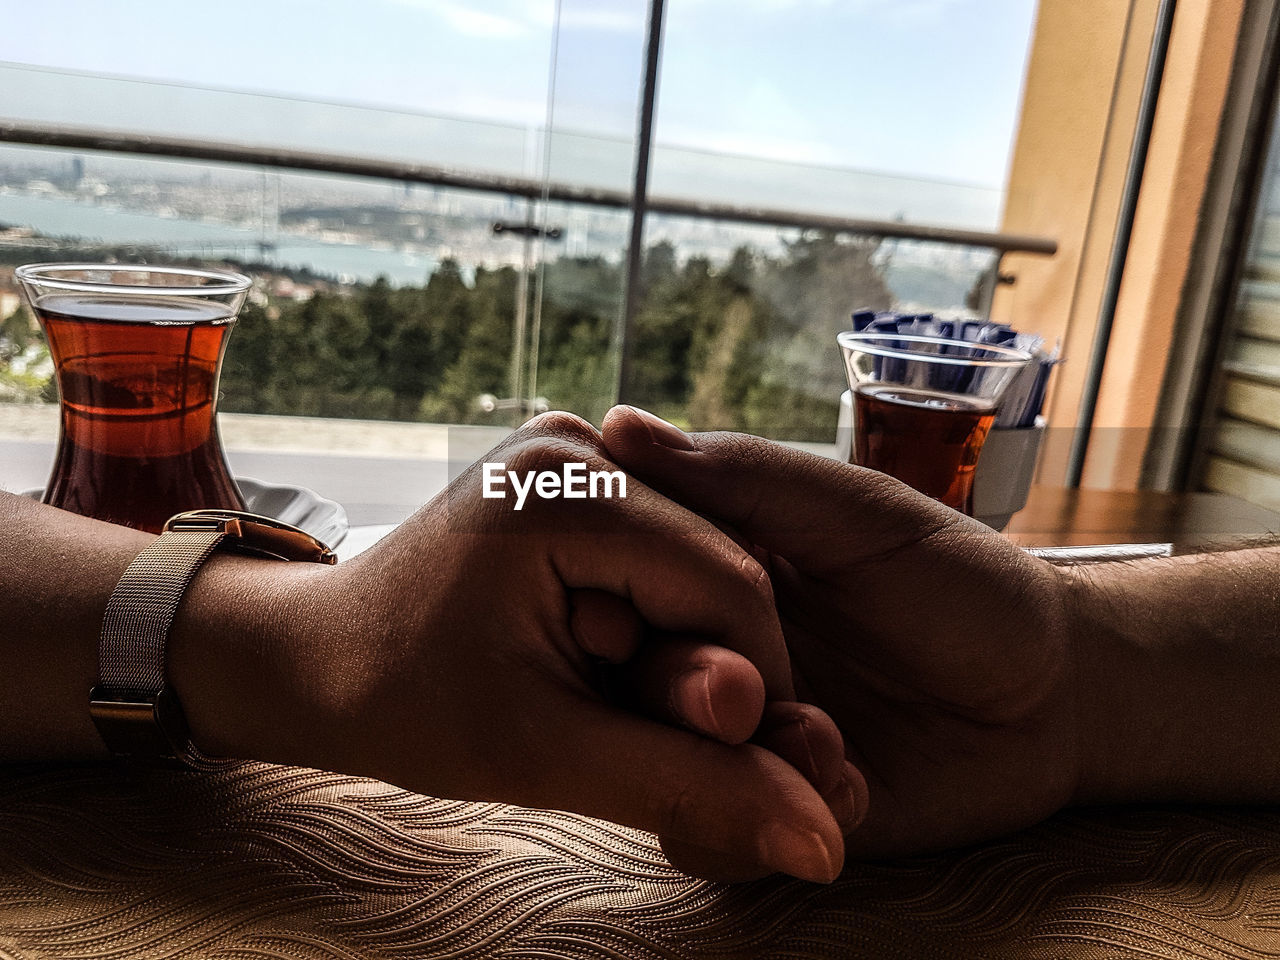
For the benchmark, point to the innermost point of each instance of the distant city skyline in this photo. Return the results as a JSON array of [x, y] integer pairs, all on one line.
[[354, 229], [916, 88]]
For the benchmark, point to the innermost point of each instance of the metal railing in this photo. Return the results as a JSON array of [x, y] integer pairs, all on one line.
[[120, 142], [533, 190]]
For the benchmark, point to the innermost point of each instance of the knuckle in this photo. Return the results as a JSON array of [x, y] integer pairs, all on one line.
[[559, 423], [741, 450], [546, 453], [726, 448], [752, 573]]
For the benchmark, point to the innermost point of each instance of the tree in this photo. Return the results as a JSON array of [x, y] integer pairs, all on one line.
[[23, 359], [482, 364], [748, 344]]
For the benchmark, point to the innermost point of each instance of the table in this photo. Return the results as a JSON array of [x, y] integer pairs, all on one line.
[[1058, 517], [265, 862]]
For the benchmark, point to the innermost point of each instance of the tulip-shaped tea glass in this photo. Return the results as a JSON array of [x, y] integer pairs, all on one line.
[[923, 407], [137, 351]]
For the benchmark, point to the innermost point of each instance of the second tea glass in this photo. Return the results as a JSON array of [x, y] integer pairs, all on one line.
[[923, 407]]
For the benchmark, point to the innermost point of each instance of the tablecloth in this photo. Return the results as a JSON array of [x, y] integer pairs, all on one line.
[[260, 861]]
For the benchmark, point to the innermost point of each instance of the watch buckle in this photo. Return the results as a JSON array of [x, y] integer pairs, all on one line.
[[187, 523], [139, 725]]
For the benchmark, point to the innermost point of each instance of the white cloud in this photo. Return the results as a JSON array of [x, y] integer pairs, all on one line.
[[617, 20], [913, 11], [585, 15], [758, 120], [902, 10], [754, 146], [471, 22]]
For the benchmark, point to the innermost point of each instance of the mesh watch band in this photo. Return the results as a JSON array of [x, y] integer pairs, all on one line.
[[135, 627], [135, 713]]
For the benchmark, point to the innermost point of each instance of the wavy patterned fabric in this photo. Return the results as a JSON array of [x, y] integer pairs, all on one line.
[[259, 862]]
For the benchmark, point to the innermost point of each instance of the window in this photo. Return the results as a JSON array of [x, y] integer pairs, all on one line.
[[433, 196]]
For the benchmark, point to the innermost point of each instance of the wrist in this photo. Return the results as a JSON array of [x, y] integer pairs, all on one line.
[[233, 657], [1178, 660], [1112, 683]]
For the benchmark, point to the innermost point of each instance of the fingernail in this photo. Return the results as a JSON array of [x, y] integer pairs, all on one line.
[[664, 434], [843, 803], [794, 739], [694, 686], [799, 852], [861, 799]]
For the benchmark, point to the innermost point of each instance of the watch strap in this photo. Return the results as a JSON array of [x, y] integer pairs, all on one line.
[[135, 626], [135, 712]]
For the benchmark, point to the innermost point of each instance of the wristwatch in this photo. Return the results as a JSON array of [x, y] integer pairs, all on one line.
[[136, 712]]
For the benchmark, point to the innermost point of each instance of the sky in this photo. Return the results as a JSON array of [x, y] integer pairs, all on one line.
[[917, 88]]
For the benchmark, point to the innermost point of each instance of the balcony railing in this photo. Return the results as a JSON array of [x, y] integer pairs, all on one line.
[[541, 202]]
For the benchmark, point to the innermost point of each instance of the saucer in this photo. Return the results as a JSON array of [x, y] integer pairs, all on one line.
[[324, 519]]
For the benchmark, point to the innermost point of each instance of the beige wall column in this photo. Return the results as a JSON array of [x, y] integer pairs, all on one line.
[[1084, 80]]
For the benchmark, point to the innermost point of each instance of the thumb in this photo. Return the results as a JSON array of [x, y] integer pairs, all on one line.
[[742, 799], [816, 511]]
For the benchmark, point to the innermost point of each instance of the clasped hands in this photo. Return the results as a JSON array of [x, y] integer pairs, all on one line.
[[768, 658]]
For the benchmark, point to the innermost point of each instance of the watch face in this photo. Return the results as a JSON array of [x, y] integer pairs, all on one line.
[[253, 533]]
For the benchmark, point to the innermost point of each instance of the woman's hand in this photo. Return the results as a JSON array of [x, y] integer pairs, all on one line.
[[459, 656]]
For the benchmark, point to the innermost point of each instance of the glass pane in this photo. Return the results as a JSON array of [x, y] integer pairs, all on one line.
[[579, 255], [899, 112], [738, 324], [372, 300], [598, 73], [573, 337], [424, 83], [879, 110]]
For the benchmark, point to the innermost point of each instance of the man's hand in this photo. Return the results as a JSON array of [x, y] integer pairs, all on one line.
[[939, 648]]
